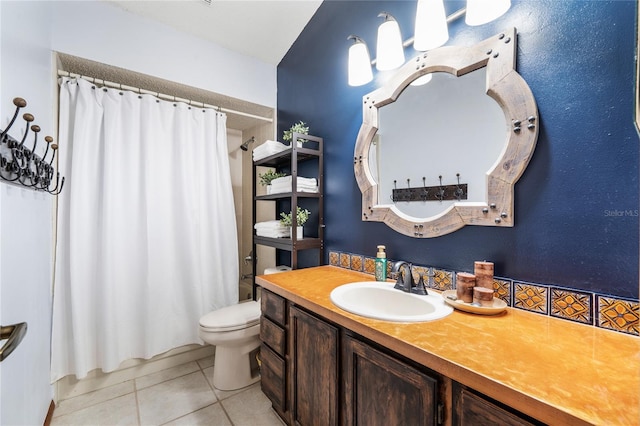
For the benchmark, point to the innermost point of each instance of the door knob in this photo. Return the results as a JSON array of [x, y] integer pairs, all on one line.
[[14, 335]]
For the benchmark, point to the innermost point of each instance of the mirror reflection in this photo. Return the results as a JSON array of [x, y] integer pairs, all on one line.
[[446, 127]]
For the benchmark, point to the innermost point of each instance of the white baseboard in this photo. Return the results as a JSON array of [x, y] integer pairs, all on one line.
[[69, 386]]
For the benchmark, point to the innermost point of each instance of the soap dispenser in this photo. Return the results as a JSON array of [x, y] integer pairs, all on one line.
[[381, 264]]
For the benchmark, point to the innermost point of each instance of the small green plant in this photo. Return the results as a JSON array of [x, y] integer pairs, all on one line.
[[299, 127], [266, 178], [302, 215]]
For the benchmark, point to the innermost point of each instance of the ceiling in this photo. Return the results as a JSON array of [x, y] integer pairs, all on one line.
[[262, 29]]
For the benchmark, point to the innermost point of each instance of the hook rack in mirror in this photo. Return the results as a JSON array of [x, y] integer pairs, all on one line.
[[514, 97]]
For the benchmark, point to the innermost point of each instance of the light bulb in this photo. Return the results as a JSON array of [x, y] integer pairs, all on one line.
[[389, 49], [359, 63], [431, 25], [482, 11]]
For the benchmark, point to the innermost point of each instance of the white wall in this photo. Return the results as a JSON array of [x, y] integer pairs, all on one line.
[[104, 33], [29, 32], [25, 218]]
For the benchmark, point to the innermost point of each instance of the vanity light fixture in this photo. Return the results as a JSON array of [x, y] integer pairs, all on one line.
[[359, 62], [431, 31], [483, 11], [389, 46]]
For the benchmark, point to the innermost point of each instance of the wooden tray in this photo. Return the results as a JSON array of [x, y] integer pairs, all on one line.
[[499, 305]]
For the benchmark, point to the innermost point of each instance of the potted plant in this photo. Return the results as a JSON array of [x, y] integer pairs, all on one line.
[[299, 127], [302, 215], [267, 177]]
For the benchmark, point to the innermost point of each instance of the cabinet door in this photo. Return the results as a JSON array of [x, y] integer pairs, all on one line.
[[314, 376], [381, 390]]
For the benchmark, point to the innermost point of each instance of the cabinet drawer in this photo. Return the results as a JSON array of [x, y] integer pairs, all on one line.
[[273, 335], [273, 307], [472, 409], [273, 377]]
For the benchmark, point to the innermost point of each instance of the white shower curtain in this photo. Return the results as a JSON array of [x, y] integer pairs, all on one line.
[[147, 239]]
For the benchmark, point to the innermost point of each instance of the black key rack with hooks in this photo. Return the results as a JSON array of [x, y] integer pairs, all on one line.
[[20, 165], [455, 192]]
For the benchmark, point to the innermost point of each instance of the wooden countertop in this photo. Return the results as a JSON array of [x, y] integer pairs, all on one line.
[[553, 370]]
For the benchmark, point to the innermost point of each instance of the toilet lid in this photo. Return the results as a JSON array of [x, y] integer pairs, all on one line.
[[234, 317]]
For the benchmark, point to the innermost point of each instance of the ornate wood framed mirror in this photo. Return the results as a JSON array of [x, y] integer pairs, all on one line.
[[488, 200]]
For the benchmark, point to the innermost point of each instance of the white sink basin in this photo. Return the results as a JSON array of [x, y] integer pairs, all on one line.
[[379, 300]]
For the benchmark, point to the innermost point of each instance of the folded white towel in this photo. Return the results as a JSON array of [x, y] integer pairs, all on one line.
[[269, 145], [278, 189], [300, 180], [271, 229], [283, 184], [270, 224], [268, 148], [273, 234], [305, 184]]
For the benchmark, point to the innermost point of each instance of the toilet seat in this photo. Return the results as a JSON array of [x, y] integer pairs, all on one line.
[[230, 318]]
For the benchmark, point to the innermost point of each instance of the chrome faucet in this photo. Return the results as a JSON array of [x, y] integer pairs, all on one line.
[[404, 278]]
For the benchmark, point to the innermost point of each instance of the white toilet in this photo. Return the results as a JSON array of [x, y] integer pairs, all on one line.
[[235, 332]]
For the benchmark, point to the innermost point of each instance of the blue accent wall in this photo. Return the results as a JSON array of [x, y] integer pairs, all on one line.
[[576, 221]]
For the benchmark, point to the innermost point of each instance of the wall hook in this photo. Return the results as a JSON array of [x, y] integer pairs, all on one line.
[[55, 190], [19, 103], [28, 118], [395, 188], [459, 190], [425, 190], [54, 148], [20, 165], [440, 194], [425, 193], [35, 129]]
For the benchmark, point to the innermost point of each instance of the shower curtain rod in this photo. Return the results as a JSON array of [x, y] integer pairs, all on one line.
[[62, 73]]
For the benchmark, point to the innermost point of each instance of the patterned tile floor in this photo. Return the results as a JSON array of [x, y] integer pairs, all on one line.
[[182, 395]]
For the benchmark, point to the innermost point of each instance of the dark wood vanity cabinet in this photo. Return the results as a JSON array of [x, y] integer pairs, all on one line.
[[319, 373], [382, 390], [326, 376]]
